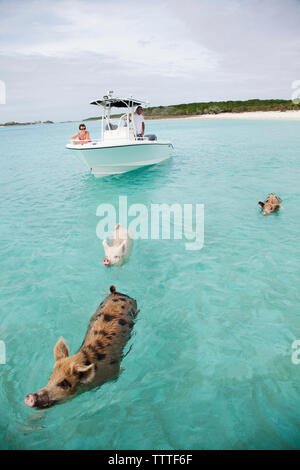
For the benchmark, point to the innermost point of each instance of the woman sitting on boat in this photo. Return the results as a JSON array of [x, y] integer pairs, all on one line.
[[83, 136]]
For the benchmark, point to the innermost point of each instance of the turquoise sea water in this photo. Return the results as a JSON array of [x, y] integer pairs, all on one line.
[[210, 366]]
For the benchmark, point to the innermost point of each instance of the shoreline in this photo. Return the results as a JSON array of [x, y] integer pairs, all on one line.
[[252, 115], [260, 115]]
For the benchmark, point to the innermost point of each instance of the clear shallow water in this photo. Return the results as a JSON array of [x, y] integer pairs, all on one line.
[[210, 366]]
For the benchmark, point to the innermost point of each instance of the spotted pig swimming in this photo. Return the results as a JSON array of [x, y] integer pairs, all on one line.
[[99, 357]]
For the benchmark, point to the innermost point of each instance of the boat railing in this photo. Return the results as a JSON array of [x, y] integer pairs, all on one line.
[[114, 135], [90, 142]]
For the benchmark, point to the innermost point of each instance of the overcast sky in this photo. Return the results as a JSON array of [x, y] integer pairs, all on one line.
[[56, 56]]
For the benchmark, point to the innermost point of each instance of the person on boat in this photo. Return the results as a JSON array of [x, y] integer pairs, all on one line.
[[139, 122], [83, 136]]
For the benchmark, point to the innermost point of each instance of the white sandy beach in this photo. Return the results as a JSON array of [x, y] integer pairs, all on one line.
[[287, 115]]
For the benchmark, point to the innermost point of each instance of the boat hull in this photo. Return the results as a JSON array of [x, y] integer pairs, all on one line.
[[103, 160]]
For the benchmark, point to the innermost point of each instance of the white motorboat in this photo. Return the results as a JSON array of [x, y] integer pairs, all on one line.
[[120, 149]]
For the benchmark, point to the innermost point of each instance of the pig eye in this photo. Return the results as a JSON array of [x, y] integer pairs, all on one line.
[[65, 384]]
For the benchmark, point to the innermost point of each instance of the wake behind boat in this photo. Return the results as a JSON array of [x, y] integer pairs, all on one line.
[[120, 148]]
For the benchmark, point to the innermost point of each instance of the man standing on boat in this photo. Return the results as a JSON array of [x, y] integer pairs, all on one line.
[[139, 122]]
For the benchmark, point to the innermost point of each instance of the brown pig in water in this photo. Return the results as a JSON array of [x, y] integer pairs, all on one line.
[[271, 204], [99, 357]]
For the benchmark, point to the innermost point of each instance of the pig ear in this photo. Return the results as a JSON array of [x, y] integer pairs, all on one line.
[[86, 373], [123, 246], [104, 243], [61, 349]]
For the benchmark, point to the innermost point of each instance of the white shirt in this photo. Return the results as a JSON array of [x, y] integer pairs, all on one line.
[[138, 120]]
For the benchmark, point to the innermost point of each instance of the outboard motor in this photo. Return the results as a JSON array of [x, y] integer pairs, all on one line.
[[151, 137]]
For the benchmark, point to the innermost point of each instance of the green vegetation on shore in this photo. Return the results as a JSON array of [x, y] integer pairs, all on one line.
[[13, 123], [217, 107], [196, 109], [214, 107]]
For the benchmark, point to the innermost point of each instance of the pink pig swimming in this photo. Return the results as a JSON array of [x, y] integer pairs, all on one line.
[[118, 250]]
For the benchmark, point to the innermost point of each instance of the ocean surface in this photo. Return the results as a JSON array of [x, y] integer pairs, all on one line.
[[211, 363]]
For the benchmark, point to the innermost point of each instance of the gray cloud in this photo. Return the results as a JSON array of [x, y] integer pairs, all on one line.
[[57, 56], [257, 41]]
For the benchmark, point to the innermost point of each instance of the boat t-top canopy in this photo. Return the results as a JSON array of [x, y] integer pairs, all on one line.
[[109, 101], [126, 126]]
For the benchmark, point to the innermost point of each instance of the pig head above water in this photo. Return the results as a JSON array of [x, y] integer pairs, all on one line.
[[118, 249], [271, 204], [99, 357]]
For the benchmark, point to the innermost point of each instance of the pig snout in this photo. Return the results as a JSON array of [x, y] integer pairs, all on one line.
[[111, 261], [30, 400], [38, 400], [267, 211]]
